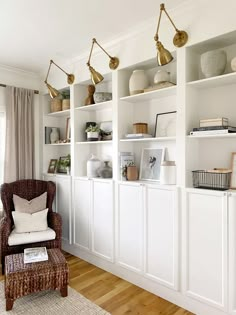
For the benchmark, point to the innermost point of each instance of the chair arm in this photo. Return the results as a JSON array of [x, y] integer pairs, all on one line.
[[55, 222], [5, 231]]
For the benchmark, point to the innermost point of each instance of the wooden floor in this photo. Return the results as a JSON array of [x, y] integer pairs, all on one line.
[[113, 294]]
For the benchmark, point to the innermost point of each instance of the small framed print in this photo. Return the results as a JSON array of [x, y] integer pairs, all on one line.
[[68, 129], [233, 168], [165, 124], [52, 166], [151, 163]]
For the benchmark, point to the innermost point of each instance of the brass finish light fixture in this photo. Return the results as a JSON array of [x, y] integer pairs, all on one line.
[[96, 77], [52, 91], [179, 40]]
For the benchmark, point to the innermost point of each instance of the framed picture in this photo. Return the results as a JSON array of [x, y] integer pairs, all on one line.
[[150, 165], [165, 124], [68, 129], [106, 130], [233, 168], [61, 168], [52, 166]]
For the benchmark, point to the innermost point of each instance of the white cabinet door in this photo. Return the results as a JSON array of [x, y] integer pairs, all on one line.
[[130, 226], [161, 235], [82, 207], [102, 219], [206, 247], [232, 252], [63, 202]]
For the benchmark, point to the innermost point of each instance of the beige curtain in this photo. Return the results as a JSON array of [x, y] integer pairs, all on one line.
[[19, 151]]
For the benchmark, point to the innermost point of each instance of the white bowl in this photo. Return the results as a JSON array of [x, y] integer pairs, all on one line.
[[102, 97]]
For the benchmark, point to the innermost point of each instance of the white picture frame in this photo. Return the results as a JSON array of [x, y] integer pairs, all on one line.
[[165, 124], [150, 165]]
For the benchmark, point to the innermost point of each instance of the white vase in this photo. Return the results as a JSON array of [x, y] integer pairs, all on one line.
[[233, 64], [168, 173], [93, 165], [92, 135], [161, 76], [213, 63], [138, 82], [54, 135]]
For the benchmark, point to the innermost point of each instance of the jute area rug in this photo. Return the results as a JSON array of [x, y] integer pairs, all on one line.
[[51, 303]]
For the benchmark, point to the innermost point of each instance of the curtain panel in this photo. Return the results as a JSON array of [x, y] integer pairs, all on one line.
[[19, 149]]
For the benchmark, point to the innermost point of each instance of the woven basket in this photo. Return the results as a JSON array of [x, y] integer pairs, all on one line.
[[140, 128], [56, 105], [66, 104]]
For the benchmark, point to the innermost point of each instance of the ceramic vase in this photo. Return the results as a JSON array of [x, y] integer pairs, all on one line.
[[138, 82], [92, 135], [54, 135], [233, 64], [93, 165], [213, 63], [161, 76], [105, 171], [168, 173]]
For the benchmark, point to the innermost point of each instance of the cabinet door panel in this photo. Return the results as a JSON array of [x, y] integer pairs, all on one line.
[[161, 235], [130, 226], [207, 247], [102, 225], [232, 253], [82, 206], [63, 204]]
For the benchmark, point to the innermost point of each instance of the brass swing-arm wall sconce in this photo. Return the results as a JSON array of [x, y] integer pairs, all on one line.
[[96, 77], [52, 91], [179, 40]]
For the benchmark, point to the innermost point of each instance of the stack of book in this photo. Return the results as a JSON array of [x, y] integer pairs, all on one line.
[[212, 127], [35, 254], [137, 136]]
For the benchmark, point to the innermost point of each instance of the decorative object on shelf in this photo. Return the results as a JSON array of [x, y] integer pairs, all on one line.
[[52, 166], [138, 82], [179, 40], [68, 129], [159, 86], [90, 98], [52, 91], [131, 172], [140, 127], [56, 105], [102, 97], [217, 179], [151, 163], [106, 130], [168, 173], [161, 76], [214, 122], [137, 136], [233, 168], [48, 131], [105, 171], [64, 164], [93, 133], [233, 64], [213, 63], [165, 124], [126, 158], [212, 130], [54, 135], [93, 165], [65, 100], [96, 77]]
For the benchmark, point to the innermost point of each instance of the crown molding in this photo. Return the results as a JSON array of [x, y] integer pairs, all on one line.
[[19, 71]]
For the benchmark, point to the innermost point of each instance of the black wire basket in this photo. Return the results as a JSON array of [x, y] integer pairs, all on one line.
[[214, 179]]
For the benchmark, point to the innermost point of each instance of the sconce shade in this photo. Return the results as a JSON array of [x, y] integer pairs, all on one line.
[[96, 77], [163, 55], [52, 91]]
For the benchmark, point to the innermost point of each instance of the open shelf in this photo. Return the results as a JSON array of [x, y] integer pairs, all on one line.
[[60, 144], [60, 113], [93, 142], [98, 106], [149, 139], [225, 79], [227, 135]]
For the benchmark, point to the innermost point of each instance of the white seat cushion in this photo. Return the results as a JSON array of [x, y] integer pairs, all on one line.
[[30, 237]]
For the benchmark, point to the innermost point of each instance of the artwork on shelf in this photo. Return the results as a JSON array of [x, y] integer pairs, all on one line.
[[61, 168], [165, 124], [68, 129], [52, 166], [233, 168], [106, 130], [150, 165]]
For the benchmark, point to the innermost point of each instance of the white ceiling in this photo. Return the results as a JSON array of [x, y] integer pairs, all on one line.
[[34, 31]]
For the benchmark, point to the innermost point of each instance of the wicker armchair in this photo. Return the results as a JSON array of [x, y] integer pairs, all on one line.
[[27, 189]]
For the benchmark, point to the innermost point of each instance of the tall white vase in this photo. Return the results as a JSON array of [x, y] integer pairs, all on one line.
[[138, 82], [54, 135]]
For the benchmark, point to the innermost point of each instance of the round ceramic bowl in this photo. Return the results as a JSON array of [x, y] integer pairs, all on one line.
[[102, 97]]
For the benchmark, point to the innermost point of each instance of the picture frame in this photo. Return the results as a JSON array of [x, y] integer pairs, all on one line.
[[233, 168], [165, 124], [106, 130], [60, 167], [68, 128], [52, 166], [150, 165]]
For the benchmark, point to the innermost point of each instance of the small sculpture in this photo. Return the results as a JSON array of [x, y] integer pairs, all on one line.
[[90, 100]]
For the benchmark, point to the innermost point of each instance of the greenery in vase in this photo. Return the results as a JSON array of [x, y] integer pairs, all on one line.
[[65, 162], [92, 129]]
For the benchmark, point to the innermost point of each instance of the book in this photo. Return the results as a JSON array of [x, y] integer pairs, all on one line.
[[35, 254], [211, 132], [214, 122], [126, 158], [137, 135], [230, 128]]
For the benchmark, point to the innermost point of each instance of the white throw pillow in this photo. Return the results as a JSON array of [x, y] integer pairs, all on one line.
[[26, 222], [30, 206]]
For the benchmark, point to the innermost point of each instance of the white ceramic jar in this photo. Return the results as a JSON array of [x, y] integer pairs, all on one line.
[[213, 63], [93, 165], [161, 76], [168, 173], [54, 135], [138, 82]]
